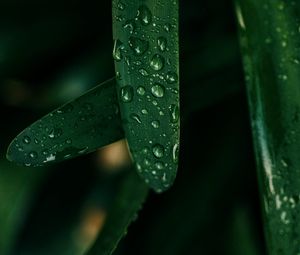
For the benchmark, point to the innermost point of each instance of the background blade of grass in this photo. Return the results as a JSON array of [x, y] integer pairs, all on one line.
[[79, 127], [129, 199], [270, 41], [147, 66]]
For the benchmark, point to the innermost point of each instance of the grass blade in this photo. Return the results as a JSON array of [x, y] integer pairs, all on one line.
[[270, 42], [146, 63], [78, 127], [129, 199]]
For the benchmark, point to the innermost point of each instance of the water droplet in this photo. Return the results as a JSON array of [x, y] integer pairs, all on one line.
[[175, 152], [69, 141], [144, 111], [136, 118], [167, 27], [157, 62], [118, 76], [158, 150], [121, 6], [130, 25], [139, 46], [56, 132], [143, 72], [45, 152], [117, 51], [144, 15], [127, 94], [155, 123], [159, 165], [158, 90], [36, 141], [171, 77], [141, 90], [146, 162], [174, 112], [83, 150], [33, 155], [162, 43], [26, 139]]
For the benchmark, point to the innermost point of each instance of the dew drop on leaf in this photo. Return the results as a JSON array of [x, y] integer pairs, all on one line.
[[136, 118], [127, 94], [155, 123], [158, 90], [33, 155], [117, 51], [162, 43], [139, 46], [171, 77], [157, 62], [143, 72], [144, 15], [141, 90], [26, 139], [159, 165], [174, 113], [158, 150]]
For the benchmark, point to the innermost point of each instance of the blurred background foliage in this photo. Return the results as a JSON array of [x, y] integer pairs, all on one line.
[[52, 51]]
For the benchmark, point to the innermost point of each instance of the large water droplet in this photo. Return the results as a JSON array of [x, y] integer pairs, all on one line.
[[117, 51], [136, 118], [158, 90], [141, 90], [174, 113], [171, 77], [155, 123], [144, 15], [162, 43], [157, 62], [26, 139], [158, 150], [139, 46], [127, 94]]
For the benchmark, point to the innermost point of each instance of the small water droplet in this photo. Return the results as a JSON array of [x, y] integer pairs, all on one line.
[[136, 118], [143, 72], [157, 62], [26, 139], [69, 141], [158, 90], [121, 6], [45, 152], [159, 165], [83, 150], [144, 111], [33, 155], [127, 94], [162, 43], [175, 153], [167, 27], [171, 77], [158, 150], [141, 90], [144, 15], [155, 123], [174, 113], [117, 51], [139, 46], [118, 76], [54, 133], [146, 162]]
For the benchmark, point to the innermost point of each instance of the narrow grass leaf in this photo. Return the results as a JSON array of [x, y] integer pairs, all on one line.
[[78, 127], [129, 199], [147, 69], [270, 42]]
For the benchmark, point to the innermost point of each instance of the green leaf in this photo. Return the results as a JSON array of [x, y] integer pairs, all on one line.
[[79, 127], [147, 68], [270, 42], [129, 199]]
